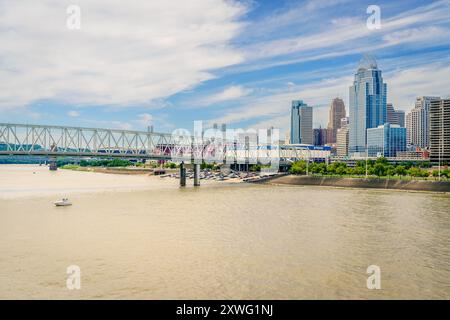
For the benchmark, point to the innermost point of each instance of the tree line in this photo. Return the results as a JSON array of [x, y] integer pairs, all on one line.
[[380, 167]]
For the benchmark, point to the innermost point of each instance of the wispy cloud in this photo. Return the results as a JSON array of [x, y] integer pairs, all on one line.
[[227, 94], [144, 120], [347, 35], [124, 54], [426, 80], [403, 87], [417, 35], [73, 113], [152, 56]]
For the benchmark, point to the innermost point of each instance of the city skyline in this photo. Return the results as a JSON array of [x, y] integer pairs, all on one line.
[[262, 61], [225, 157]]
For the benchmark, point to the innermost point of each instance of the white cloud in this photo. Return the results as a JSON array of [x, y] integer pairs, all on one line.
[[126, 53], [403, 88], [429, 80], [230, 93], [161, 123], [260, 109], [438, 34], [144, 119], [301, 13], [73, 114], [346, 35]]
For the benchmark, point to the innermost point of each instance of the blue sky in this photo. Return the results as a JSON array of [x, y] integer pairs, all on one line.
[[136, 63]]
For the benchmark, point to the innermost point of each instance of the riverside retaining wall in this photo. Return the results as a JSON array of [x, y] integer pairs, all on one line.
[[416, 185]]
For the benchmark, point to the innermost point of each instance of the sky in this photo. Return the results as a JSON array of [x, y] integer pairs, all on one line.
[[136, 63]]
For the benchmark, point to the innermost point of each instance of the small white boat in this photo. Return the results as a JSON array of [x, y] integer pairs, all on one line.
[[63, 203]]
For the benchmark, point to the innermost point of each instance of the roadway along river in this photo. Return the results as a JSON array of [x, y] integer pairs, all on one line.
[[143, 237]]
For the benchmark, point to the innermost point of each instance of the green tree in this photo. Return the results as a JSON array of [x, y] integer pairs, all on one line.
[[390, 170], [417, 172], [119, 163], [255, 168], [341, 170], [351, 171], [298, 167], [320, 168], [382, 160], [444, 173], [379, 169], [400, 170], [170, 165], [360, 170], [361, 163]]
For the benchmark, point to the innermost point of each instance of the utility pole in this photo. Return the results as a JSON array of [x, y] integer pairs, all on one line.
[[441, 140], [367, 155], [307, 164]]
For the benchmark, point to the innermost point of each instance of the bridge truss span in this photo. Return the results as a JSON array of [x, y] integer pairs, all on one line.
[[20, 139], [64, 141]]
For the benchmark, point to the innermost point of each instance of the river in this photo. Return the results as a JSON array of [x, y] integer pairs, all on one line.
[[145, 238]]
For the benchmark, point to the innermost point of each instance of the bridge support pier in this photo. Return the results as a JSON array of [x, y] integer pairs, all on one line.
[[196, 175], [52, 164], [182, 175]]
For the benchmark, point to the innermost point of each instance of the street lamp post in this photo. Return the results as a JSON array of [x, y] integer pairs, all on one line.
[[307, 163], [441, 140], [367, 155]]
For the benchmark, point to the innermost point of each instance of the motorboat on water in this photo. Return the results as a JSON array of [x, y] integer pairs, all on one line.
[[63, 203]]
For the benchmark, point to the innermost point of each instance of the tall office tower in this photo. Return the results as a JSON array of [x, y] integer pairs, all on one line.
[[440, 131], [395, 116], [287, 138], [301, 123], [321, 136], [342, 141], [386, 140], [317, 137], [400, 118], [337, 112], [418, 123], [344, 122], [367, 104], [408, 129]]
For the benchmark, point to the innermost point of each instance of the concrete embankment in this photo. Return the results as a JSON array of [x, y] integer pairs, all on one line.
[[416, 185]]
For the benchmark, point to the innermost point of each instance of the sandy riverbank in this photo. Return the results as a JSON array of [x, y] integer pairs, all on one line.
[[120, 170]]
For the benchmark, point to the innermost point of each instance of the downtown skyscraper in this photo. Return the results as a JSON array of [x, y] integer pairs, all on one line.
[[440, 131], [418, 123], [367, 108], [301, 123], [395, 116], [336, 114]]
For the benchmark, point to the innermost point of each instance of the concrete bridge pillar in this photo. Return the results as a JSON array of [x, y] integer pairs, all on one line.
[[52, 164], [182, 175], [196, 175]]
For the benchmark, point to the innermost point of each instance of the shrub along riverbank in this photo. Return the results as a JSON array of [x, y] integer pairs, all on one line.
[[375, 168]]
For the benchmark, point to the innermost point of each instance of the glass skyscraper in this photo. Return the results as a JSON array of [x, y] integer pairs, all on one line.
[[386, 140], [367, 104], [301, 123]]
